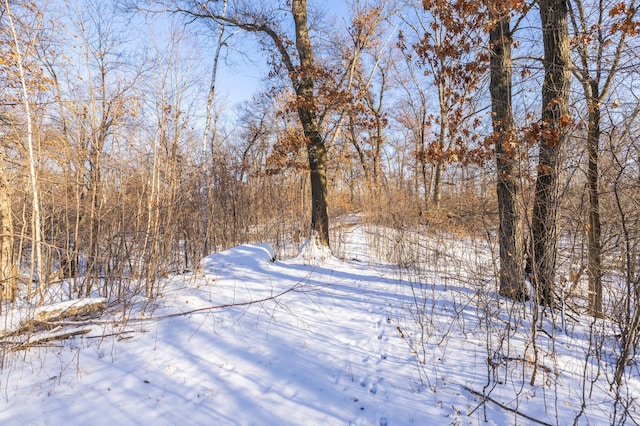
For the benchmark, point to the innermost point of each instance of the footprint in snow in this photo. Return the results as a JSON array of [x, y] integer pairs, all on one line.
[[374, 388], [364, 381]]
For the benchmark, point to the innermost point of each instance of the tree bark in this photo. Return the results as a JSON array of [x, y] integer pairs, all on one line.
[[437, 183], [510, 236], [594, 263], [555, 113]]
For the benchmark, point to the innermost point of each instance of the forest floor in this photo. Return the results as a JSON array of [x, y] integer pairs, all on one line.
[[315, 340]]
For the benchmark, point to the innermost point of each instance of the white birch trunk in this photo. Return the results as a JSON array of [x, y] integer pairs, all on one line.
[[36, 252]]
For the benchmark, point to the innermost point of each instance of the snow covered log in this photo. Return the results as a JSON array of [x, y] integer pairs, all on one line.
[[69, 309], [45, 317]]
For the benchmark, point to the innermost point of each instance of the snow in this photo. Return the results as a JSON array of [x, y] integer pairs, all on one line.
[[315, 340], [312, 252]]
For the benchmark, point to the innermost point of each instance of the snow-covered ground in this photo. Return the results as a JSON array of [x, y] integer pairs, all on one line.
[[315, 340]]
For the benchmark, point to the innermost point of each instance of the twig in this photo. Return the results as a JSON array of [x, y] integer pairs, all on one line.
[[120, 333], [227, 305]]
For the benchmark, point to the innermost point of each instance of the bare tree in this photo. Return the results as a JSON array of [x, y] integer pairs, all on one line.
[[101, 105], [37, 257], [207, 126], [413, 115], [8, 268], [367, 112], [596, 68]]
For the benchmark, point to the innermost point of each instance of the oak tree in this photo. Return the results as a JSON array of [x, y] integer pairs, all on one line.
[[505, 140], [553, 138]]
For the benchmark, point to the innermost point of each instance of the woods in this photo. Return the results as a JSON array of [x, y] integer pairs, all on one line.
[[125, 158], [80, 117]]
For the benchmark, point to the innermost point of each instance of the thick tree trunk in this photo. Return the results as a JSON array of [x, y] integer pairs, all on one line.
[[318, 169], [512, 283], [307, 112], [555, 110]]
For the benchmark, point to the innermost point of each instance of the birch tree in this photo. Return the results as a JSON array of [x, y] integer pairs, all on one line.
[[8, 270], [25, 98]]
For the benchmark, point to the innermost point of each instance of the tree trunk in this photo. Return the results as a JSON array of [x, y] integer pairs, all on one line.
[[594, 66], [594, 264], [437, 183], [36, 245], [424, 173], [510, 239], [555, 110], [439, 163], [361, 155], [205, 137], [307, 112], [317, 153], [8, 272]]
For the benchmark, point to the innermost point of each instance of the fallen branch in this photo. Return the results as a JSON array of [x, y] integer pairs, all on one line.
[[227, 305], [486, 398], [50, 338], [546, 369], [53, 324]]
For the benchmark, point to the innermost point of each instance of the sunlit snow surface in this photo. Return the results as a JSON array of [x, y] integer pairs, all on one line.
[[328, 342]]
